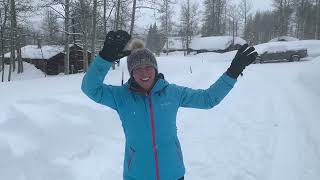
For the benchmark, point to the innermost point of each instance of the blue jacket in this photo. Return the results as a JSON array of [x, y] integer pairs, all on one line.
[[152, 148]]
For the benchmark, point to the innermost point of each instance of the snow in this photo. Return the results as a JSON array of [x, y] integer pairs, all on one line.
[[33, 52], [267, 128], [30, 72], [215, 42], [175, 43], [209, 43], [284, 38], [272, 47]]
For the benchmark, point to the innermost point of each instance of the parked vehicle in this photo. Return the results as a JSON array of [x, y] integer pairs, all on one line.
[[292, 55], [280, 51]]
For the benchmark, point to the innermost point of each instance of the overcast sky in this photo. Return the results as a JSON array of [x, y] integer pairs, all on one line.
[[146, 17]]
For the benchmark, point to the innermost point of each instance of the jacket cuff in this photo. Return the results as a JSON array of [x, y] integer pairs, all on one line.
[[101, 60], [229, 80]]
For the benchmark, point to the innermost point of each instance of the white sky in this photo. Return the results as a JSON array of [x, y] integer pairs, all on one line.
[[146, 16]]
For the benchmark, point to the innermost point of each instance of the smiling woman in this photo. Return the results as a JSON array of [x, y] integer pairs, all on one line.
[[148, 105]]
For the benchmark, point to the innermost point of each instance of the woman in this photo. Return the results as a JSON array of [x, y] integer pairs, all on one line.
[[147, 105]]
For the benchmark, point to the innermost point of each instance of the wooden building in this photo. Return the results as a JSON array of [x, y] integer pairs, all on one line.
[[50, 59]]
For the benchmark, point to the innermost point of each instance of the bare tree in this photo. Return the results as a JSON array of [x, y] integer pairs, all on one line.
[[105, 17], [50, 27], [117, 20], [234, 19], [144, 4], [317, 20], [66, 36], [94, 27], [13, 27], [3, 23], [85, 32], [134, 5], [284, 10], [245, 7], [189, 21], [213, 17], [166, 11]]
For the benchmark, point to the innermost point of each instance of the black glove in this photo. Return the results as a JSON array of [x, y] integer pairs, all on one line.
[[243, 58], [114, 44]]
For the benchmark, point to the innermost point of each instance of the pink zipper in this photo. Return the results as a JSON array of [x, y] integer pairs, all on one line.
[[130, 157], [155, 153]]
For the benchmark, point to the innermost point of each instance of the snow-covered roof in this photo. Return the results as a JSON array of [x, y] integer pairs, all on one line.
[[209, 43], [214, 42], [33, 52], [46, 52], [284, 38]]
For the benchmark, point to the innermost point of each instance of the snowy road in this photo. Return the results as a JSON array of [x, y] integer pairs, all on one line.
[[265, 129]]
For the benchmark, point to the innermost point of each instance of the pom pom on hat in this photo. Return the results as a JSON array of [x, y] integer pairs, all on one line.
[[136, 44]]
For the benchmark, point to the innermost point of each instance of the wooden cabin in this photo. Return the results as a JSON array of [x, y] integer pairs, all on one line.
[[50, 59]]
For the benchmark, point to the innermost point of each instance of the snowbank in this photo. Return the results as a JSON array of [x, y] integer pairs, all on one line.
[[284, 38], [30, 72], [209, 43], [215, 42]]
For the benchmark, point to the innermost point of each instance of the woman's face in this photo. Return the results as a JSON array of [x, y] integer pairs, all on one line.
[[144, 75]]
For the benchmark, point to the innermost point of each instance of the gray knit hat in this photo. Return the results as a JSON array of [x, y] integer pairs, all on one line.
[[140, 55]]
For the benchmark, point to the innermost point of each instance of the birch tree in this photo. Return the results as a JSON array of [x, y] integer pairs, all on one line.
[[50, 27], [94, 27], [213, 17], [133, 16], [4, 9], [166, 14], [317, 20], [189, 22], [108, 8], [66, 36], [233, 14], [245, 7], [84, 28], [12, 37]]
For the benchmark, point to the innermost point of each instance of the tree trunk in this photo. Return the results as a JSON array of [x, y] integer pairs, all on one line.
[[17, 40], [166, 28], [12, 38], [188, 27], [66, 38], [245, 16], [19, 58], [133, 16], [317, 20], [105, 17], [2, 30], [84, 25], [213, 19], [218, 18], [94, 25], [118, 15]]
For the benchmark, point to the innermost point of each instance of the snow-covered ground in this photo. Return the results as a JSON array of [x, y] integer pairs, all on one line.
[[267, 128]]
